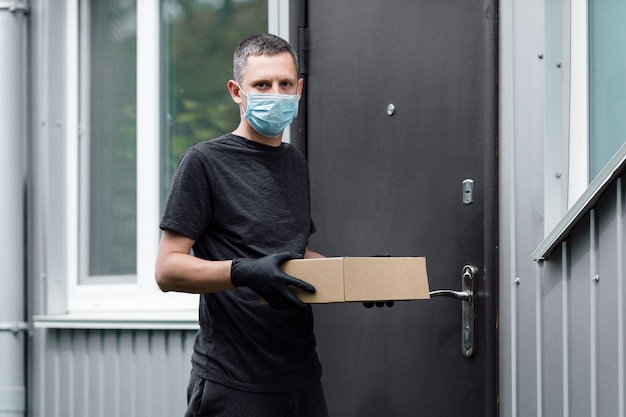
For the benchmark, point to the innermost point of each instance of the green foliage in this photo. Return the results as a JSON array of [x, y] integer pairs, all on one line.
[[201, 38]]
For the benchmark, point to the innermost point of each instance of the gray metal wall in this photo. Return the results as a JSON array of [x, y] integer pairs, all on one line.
[[12, 220], [561, 320], [108, 373]]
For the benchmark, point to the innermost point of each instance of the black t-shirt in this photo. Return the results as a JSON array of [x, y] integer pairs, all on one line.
[[239, 198]]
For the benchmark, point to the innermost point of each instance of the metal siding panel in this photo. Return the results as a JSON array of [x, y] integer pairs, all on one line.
[[579, 331], [606, 306], [67, 382], [568, 292], [526, 312], [552, 322], [108, 373], [96, 372], [146, 377], [621, 296], [81, 358], [159, 372], [506, 217], [521, 198], [142, 364], [578, 365], [110, 378], [539, 340], [565, 278], [52, 384], [593, 328], [51, 165], [128, 375], [37, 393], [180, 362]]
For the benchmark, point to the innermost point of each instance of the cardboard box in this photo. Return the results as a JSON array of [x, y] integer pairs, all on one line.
[[339, 280]]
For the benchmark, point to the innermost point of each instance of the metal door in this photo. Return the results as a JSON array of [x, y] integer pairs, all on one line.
[[399, 112]]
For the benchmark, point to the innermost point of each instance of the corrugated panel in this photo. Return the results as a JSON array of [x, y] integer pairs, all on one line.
[[569, 330], [111, 373], [594, 344], [579, 315], [554, 337], [562, 320], [605, 288]]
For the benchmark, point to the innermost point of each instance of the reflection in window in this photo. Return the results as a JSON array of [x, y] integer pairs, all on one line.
[[607, 81], [200, 38], [108, 36]]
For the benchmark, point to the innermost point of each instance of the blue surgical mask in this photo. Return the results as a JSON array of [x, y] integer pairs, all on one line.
[[270, 114]]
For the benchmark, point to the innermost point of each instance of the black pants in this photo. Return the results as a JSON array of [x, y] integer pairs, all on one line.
[[209, 399]]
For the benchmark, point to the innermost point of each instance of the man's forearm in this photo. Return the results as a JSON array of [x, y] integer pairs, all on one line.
[[186, 273]]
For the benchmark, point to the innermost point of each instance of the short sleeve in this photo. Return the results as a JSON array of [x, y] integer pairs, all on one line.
[[188, 209]]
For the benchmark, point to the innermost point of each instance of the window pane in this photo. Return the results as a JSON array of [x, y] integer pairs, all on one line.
[[607, 81], [109, 36], [200, 38]]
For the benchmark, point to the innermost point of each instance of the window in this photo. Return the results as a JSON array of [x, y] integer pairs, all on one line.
[[108, 118], [598, 83], [145, 80], [585, 101], [585, 106], [198, 106], [589, 95], [607, 81]]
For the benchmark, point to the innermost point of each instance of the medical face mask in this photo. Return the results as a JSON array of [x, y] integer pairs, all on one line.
[[270, 114]]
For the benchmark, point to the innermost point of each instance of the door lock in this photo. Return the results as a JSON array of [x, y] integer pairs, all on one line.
[[466, 296], [468, 191]]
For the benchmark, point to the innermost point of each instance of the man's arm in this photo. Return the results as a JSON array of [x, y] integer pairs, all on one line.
[[177, 270]]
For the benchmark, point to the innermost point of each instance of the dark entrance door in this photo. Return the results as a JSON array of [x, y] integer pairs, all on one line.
[[401, 102]]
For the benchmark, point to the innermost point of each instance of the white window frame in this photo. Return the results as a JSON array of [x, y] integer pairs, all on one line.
[[579, 102], [142, 296]]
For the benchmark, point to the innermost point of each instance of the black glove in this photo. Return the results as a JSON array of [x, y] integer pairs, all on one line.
[[265, 278], [371, 304]]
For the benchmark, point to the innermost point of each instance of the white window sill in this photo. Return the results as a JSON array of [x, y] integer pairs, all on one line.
[[132, 320]]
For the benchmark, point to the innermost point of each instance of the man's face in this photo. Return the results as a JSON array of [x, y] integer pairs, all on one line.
[[271, 74]]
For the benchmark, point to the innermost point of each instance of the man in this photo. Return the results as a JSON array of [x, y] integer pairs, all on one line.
[[242, 203]]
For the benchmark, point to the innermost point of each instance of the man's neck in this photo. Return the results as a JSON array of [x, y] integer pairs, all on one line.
[[247, 132]]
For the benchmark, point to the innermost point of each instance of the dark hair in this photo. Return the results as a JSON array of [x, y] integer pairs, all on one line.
[[261, 44]]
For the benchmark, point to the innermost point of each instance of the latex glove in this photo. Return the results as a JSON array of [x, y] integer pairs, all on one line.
[[265, 278], [379, 304], [371, 304]]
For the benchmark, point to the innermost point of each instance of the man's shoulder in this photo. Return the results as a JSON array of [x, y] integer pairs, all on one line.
[[219, 142], [210, 149]]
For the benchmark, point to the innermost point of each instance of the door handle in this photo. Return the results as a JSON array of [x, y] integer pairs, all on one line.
[[466, 296], [457, 295]]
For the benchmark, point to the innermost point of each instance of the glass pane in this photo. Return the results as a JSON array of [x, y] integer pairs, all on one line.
[[109, 36], [607, 81], [200, 38]]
